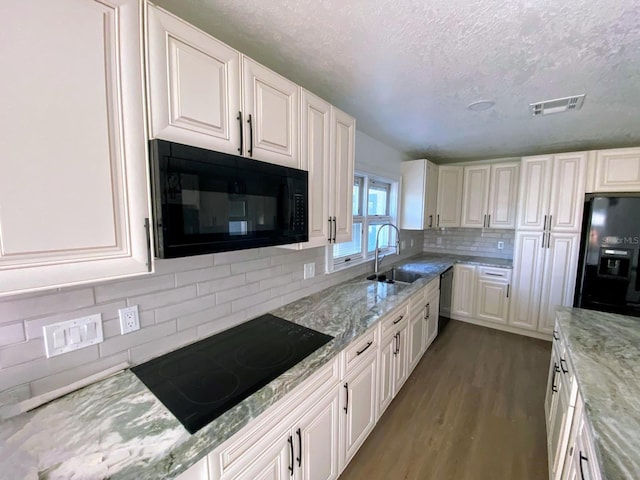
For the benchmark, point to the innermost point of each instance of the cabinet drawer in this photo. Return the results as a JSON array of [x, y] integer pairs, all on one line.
[[394, 320], [494, 273], [270, 424], [359, 350]]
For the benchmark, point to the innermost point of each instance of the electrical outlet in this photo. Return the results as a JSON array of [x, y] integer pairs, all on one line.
[[129, 319], [309, 270], [500, 245], [402, 245], [412, 242]]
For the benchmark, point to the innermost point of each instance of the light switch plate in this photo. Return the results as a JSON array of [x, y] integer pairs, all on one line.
[[500, 245], [72, 335]]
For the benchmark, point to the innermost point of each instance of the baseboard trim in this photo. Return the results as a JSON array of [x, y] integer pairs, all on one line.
[[504, 328]]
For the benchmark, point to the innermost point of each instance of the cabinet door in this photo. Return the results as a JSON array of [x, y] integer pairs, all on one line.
[[343, 130], [360, 404], [317, 439], [386, 373], [73, 176], [270, 107], [449, 204], [559, 435], [559, 278], [414, 195], [316, 154], [417, 335], [476, 195], [567, 192], [528, 264], [274, 463], [433, 313], [432, 195], [618, 170], [199, 471], [492, 302], [401, 365], [194, 85], [533, 199], [464, 282], [503, 195]]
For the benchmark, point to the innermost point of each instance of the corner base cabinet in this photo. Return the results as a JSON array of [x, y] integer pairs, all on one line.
[[74, 194]]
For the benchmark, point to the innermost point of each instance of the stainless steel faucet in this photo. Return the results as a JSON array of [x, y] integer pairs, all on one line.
[[377, 250]]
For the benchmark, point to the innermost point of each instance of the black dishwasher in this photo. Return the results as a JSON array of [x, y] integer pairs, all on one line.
[[446, 289]]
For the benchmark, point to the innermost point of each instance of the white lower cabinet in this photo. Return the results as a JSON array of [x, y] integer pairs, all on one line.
[[394, 356], [417, 328], [432, 315], [358, 407], [464, 286], [493, 289], [273, 463]]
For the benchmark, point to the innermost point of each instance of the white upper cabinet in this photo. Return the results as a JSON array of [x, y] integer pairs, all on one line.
[[617, 170], [194, 85], [475, 200], [202, 92], [270, 108], [73, 176], [503, 195], [567, 192], [315, 142], [449, 204], [419, 195], [343, 139], [490, 195], [552, 193]]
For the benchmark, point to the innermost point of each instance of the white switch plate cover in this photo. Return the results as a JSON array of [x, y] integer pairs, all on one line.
[[309, 270], [500, 245], [58, 336], [129, 319]]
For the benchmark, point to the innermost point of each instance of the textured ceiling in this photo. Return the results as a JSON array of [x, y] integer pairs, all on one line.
[[407, 69]]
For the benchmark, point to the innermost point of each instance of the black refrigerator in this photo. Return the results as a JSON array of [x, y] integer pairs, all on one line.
[[607, 278]]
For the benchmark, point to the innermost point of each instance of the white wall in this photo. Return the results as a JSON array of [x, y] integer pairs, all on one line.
[[373, 156]]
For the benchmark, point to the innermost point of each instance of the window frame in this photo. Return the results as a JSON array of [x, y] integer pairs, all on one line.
[[365, 180]]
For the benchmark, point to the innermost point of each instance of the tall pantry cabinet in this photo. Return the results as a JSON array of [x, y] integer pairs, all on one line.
[[547, 240]]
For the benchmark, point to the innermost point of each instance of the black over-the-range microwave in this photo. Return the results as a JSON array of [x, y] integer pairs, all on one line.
[[208, 202]]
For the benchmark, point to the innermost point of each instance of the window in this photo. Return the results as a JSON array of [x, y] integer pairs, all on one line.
[[374, 204]]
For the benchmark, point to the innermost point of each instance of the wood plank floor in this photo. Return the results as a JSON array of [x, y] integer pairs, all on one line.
[[472, 409]]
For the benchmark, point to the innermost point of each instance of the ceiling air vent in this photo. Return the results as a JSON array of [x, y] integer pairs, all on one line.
[[557, 105]]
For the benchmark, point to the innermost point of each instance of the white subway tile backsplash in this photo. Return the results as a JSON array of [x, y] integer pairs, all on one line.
[[211, 328], [66, 377], [213, 286], [234, 293], [250, 265], [21, 353], [162, 298], [202, 275], [130, 288], [184, 308], [250, 301], [12, 333], [23, 308], [226, 258], [124, 342], [162, 345], [211, 315], [470, 241], [256, 275], [43, 367]]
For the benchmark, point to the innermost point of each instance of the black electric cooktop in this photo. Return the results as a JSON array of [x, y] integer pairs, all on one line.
[[201, 381]]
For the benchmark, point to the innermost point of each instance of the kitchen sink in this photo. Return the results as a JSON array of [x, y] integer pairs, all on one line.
[[396, 276]]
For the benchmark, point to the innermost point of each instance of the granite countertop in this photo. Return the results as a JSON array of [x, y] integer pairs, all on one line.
[[117, 429], [604, 349]]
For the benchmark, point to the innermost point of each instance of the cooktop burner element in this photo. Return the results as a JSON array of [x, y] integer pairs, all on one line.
[[201, 381]]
